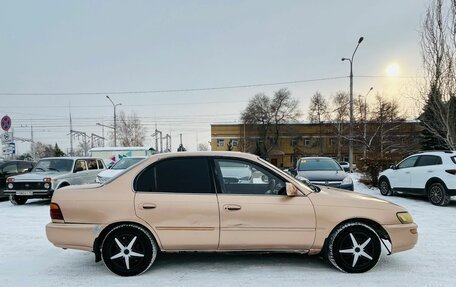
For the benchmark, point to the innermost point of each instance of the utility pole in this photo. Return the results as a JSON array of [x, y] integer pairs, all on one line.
[[71, 136], [115, 119], [350, 142], [74, 133], [365, 123], [96, 138]]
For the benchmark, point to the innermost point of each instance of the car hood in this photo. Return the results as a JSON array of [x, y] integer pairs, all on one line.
[[110, 173], [329, 196], [323, 175], [37, 176]]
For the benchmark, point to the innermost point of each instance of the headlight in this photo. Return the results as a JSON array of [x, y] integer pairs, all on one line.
[[404, 217], [10, 185], [347, 181], [47, 185]]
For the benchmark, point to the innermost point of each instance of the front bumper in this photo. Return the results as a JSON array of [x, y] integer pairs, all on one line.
[[72, 236], [403, 236], [30, 193]]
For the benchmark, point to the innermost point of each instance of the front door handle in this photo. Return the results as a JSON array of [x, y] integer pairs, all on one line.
[[232, 207], [149, 206]]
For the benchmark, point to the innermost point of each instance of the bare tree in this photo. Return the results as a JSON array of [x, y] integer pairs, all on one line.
[[130, 131], [270, 116], [318, 110], [338, 118], [438, 45], [203, 147]]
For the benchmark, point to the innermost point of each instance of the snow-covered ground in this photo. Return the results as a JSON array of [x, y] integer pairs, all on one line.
[[28, 259]]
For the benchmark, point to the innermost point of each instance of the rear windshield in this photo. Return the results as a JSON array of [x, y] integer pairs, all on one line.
[[318, 164]]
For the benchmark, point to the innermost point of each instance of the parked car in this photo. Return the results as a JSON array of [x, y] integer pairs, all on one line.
[[50, 174], [118, 167], [432, 174], [345, 165], [11, 168], [322, 171], [174, 202]]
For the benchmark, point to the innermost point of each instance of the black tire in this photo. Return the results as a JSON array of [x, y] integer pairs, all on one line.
[[116, 257], [384, 187], [348, 254], [437, 194], [18, 200]]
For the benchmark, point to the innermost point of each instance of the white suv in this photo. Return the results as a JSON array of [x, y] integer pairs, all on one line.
[[429, 173]]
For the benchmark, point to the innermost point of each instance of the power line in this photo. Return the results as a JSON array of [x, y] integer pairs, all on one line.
[[172, 90]]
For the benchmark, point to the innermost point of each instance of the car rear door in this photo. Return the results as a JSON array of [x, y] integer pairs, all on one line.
[[177, 198], [426, 167], [258, 215]]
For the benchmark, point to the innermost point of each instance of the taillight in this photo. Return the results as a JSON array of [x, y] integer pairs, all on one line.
[[56, 213], [452, 171]]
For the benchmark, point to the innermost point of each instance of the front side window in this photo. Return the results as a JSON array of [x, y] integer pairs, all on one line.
[[242, 177], [80, 165], [182, 175], [408, 162]]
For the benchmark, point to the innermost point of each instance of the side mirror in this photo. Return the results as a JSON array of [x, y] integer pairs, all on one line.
[[291, 189], [264, 178], [293, 171], [393, 166]]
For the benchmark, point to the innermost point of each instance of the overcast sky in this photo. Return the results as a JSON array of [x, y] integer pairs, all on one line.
[[57, 47]]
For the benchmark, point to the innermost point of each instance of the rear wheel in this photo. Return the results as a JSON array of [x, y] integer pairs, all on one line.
[[18, 200], [354, 248], [437, 194], [128, 250], [384, 187]]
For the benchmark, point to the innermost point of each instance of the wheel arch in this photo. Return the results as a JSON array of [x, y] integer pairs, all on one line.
[[63, 184], [433, 180], [377, 227], [99, 239], [383, 177]]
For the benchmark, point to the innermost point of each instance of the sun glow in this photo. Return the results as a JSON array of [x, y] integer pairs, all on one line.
[[392, 70]]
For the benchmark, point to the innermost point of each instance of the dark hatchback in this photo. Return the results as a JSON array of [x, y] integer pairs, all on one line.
[[10, 168], [322, 171]]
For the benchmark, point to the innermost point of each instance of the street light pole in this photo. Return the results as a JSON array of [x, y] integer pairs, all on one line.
[[115, 119], [365, 122], [350, 142]]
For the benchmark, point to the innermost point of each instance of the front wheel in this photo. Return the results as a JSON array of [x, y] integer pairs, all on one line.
[[18, 200], [384, 187], [437, 194], [354, 248], [128, 250]]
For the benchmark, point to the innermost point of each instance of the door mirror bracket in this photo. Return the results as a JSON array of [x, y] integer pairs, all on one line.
[[291, 189]]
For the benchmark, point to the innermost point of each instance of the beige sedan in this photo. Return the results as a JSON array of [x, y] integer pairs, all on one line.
[[222, 202]]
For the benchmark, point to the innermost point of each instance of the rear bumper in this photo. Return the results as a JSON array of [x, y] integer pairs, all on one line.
[[403, 236], [72, 236]]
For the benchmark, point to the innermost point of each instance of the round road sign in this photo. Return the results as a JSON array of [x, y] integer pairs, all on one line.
[[6, 123]]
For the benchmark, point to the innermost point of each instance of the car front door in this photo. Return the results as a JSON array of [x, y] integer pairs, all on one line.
[[177, 198], [426, 167], [257, 214], [400, 178], [79, 172]]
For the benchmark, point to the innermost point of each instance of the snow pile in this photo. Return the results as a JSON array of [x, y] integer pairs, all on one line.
[[28, 259]]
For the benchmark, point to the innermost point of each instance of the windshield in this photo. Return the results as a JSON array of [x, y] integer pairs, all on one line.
[[318, 164], [126, 162], [59, 165]]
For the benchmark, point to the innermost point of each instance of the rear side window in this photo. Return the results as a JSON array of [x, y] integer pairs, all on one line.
[[92, 164], [426, 160], [186, 175]]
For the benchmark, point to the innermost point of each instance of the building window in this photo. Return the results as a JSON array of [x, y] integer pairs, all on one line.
[[294, 142], [221, 142], [332, 141], [306, 141], [234, 142]]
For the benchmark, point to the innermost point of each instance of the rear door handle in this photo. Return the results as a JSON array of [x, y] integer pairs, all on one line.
[[149, 206], [232, 207]]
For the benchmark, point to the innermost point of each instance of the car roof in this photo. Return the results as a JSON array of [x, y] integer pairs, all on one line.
[[71, 157], [439, 153], [317, 157]]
